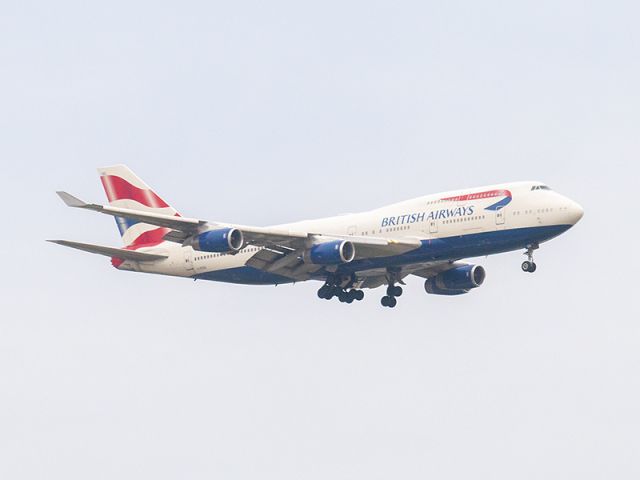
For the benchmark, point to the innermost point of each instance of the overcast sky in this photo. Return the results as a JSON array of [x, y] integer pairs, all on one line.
[[269, 112]]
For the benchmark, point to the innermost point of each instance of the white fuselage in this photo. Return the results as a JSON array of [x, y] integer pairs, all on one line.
[[531, 214]]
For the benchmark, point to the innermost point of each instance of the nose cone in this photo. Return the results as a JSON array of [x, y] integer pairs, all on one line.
[[575, 213]]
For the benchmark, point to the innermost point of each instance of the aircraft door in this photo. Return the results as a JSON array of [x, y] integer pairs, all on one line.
[[500, 217], [433, 226], [187, 252]]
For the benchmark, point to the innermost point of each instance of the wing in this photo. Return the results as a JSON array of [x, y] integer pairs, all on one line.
[[433, 269], [377, 277], [110, 251], [187, 225], [283, 251]]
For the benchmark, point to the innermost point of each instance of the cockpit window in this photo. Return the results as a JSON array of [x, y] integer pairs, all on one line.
[[540, 187]]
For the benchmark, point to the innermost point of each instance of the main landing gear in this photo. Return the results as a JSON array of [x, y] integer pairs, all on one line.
[[529, 265], [389, 300], [328, 291]]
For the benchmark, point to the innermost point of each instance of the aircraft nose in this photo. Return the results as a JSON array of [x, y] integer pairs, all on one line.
[[575, 212]]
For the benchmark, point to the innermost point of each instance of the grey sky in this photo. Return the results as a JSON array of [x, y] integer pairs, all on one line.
[[268, 112]]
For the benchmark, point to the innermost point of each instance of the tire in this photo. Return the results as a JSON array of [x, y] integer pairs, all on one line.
[[397, 291], [390, 291], [359, 295], [392, 302], [323, 292], [533, 268], [385, 301], [526, 266]]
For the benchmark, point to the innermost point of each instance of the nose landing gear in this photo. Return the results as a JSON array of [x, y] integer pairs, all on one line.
[[529, 265]]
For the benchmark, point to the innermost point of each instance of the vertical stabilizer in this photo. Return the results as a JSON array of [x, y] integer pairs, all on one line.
[[125, 189]]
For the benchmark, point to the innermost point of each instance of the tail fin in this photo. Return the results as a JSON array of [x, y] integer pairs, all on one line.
[[126, 190]]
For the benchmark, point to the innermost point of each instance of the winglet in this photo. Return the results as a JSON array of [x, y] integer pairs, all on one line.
[[70, 200]]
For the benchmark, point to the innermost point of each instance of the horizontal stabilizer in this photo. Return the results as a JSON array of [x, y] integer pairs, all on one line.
[[111, 251]]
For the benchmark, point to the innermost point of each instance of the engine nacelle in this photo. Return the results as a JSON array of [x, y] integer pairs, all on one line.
[[456, 281], [330, 253], [224, 240]]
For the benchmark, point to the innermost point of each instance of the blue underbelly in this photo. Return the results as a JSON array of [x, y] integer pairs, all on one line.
[[449, 248], [244, 275], [463, 246]]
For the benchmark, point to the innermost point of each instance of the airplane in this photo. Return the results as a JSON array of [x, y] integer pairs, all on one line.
[[426, 237]]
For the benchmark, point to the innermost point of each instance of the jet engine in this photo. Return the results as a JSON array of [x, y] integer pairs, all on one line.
[[330, 253], [224, 240], [456, 281]]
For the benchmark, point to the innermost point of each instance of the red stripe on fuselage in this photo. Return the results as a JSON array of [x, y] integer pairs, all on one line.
[[480, 195], [118, 188]]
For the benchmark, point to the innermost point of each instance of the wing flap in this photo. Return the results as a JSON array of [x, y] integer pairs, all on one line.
[[270, 236], [263, 258], [435, 268], [389, 248]]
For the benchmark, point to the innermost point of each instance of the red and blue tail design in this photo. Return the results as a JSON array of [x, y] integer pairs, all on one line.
[[125, 189]]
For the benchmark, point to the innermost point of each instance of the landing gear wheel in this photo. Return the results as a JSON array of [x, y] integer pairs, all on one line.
[[356, 295], [528, 267], [394, 291], [325, 292], [388, 301]]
